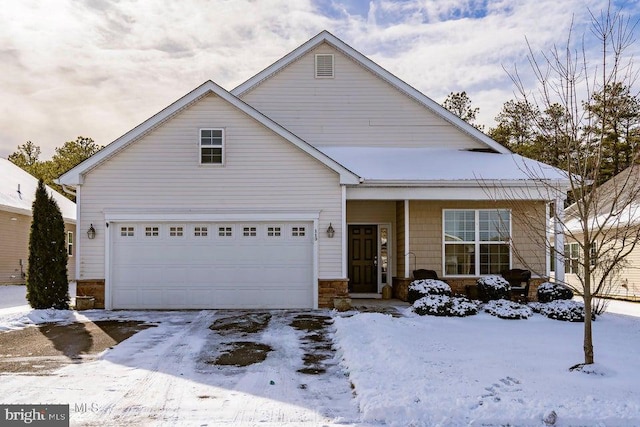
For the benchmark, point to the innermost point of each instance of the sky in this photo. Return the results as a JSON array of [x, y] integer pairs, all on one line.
[[98, 68]]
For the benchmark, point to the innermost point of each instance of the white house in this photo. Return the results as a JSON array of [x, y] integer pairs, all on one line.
[[323, 174], [17, 192]]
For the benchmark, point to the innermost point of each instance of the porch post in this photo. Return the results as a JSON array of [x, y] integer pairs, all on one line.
[[407, 267], [344, 231], [559, 239]]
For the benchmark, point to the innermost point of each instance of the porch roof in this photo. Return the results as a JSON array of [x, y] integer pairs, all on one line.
[[433, 165]]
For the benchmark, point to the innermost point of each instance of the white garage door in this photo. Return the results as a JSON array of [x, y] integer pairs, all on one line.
[[212, 265]]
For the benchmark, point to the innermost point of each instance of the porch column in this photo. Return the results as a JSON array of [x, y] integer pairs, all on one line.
[[559, 239], [344, 230], [407, 267]]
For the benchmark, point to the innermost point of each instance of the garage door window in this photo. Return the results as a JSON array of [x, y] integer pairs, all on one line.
[[151, 231], [200, 231], [225, 232], [176, 231], [126, 231], [274, 231], [298, 231], [249, 232]]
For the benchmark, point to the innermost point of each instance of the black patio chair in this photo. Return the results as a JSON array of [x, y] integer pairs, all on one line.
[[519, 280]]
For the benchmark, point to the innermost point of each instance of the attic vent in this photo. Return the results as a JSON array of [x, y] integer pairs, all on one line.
[[324, 66]]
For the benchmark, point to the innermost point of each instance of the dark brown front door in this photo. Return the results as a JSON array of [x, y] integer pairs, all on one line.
[[363, 262]]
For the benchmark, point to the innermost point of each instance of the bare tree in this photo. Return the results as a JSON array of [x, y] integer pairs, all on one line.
[[603, 222]]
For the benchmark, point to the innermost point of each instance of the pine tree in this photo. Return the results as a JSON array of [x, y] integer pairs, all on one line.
[[47, 284]]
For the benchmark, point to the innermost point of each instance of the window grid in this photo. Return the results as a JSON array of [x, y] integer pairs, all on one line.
[[201, 231], [249, 232], [126, 231], [225, 231], [211, 146], [476, 242], [70, 243], [274, 231], [152, 231], [298, 231], [176, 231]]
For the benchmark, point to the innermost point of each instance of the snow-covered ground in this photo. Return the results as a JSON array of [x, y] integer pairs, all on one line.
[[412, 370]]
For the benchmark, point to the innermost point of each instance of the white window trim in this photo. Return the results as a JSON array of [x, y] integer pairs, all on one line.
[[477, 242], [223, 148], [333, 66]]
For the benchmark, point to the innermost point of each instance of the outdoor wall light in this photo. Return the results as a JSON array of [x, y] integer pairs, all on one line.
[[330, 231], [91, 232]]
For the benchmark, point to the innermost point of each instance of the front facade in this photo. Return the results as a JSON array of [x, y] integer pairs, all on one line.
[[323, 175], [17, 192]]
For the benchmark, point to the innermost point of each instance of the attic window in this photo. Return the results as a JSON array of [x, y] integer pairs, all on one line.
[[324, 66]]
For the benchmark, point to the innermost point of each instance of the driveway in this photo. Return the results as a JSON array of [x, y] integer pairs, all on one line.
[[199, 368]]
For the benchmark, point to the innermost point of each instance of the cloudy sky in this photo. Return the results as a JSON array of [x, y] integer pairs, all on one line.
[[97, 68]]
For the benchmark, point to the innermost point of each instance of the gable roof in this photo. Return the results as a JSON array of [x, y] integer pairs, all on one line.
[[327, 37], [615, 203], [75, 175], [18, 190]]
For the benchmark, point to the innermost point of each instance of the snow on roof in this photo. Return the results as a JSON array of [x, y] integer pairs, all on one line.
[[14, 178], [436, 164]]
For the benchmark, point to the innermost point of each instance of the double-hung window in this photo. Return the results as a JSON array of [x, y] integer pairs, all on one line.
[[211, 146], [476, 242]]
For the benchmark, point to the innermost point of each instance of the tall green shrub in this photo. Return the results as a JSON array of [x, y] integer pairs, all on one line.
[[47, 283]]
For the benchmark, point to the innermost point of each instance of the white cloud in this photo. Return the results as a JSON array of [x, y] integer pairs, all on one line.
[[98, 68]]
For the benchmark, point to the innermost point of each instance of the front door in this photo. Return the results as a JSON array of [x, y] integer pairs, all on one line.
[[363, 258]]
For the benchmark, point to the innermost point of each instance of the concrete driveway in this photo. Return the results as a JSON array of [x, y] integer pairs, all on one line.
[[194, 368]]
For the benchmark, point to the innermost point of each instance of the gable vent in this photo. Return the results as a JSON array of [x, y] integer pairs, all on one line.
[[324, 66]]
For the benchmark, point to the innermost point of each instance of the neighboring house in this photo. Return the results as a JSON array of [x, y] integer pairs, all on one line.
[[17, 192], [617, 203], [323, 174]]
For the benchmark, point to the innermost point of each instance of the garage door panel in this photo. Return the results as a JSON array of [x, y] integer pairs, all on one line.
[[237, 271]]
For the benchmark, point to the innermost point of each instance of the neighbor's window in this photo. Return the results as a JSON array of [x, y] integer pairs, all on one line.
[[476, 242], [211, 146], [573, 258], [70, 243]]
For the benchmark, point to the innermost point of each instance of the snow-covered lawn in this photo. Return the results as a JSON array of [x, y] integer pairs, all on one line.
[[412, 370], [482, 370]]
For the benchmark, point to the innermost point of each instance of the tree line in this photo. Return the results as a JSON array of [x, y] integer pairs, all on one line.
[[611, 115], [70, 154]]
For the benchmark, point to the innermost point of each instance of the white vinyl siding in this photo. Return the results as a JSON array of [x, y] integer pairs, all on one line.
[[355, 108], [262, 172]]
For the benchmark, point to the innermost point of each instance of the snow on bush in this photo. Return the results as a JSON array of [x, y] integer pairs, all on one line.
[[422, 288], [567, 310], [493, 288], [548, 292], [508, 310], [444, 305]]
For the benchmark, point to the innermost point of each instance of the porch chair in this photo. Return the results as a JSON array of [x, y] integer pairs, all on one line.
[[422, 274], [520, 281]]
